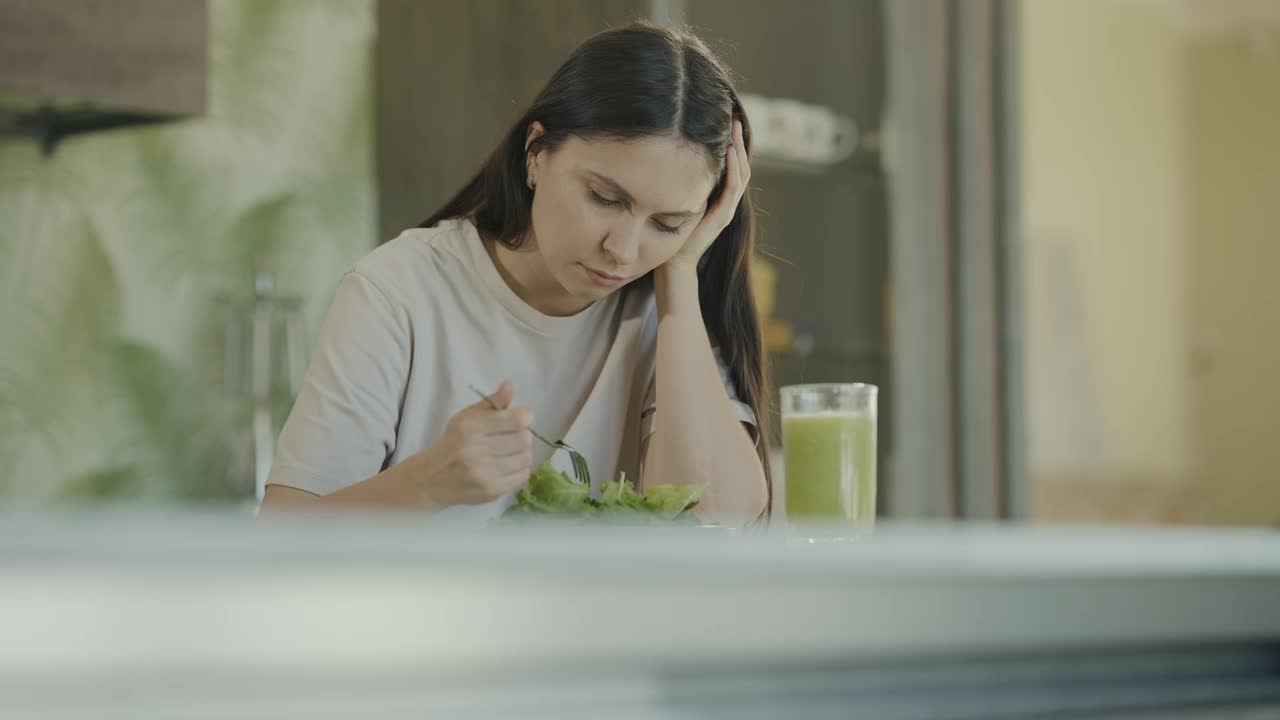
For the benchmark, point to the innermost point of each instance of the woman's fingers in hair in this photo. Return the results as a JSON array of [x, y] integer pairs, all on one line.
[[737, 172], [740, 150]]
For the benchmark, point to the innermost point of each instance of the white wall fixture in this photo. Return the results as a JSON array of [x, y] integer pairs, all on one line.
[[795, 132]]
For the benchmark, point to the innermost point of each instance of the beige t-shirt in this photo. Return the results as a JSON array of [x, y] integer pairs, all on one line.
[[426, 315]]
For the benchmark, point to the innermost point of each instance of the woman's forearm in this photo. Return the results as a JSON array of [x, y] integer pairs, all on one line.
[[698, 437], [393, 488]]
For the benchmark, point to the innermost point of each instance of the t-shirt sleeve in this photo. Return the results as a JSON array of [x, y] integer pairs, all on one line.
[[743, 410], [342, 428]]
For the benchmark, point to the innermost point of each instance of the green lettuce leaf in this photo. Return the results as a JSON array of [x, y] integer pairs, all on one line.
[[550, 491], [671, 500], [620, 494]]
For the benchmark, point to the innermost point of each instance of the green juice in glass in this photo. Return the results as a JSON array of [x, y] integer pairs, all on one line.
[[829, 444]]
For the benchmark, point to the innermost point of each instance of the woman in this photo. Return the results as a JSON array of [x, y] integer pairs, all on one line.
[[599, 260]]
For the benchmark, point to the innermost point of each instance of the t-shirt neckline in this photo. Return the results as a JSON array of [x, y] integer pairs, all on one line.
[[522, 311]]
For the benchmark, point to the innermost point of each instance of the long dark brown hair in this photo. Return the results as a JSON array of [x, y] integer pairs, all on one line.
[[633, 81]]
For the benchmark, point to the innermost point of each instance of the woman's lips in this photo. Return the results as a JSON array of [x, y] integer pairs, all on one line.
[[602, 278]]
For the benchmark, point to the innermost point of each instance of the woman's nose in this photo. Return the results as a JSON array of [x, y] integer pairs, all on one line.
[[623, 242]]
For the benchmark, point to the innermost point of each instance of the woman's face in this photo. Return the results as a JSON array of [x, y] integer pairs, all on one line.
[[607, 212]]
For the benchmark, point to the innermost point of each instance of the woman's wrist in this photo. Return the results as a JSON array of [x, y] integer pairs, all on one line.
[[417, 473], [676, 286]]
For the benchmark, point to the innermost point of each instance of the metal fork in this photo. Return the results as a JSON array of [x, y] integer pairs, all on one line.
[[580, 469]]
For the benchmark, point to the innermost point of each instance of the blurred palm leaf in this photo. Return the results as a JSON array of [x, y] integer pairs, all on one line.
[[61, 309], [112, 251]]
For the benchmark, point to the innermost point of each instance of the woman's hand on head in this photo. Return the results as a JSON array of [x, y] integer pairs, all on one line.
[[483, 454], [717, 218]]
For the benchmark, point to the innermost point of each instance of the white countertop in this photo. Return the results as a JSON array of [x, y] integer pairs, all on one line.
[[94, 599]]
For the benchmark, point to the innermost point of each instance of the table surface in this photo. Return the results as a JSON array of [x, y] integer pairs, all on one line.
[[94, 600]]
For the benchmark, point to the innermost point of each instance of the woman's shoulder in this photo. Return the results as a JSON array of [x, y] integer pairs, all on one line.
[[418, 260]]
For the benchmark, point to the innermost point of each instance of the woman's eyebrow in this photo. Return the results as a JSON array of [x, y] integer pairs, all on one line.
[[627, 199]]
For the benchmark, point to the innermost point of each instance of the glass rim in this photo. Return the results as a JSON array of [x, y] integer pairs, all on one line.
[[856, 387]]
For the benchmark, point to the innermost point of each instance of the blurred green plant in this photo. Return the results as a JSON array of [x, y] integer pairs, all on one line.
[[113, 250]]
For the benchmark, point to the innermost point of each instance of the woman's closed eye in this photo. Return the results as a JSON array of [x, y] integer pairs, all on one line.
[[663, 227], [603, 201]]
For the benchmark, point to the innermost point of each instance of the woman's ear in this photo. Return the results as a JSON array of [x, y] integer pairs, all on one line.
[[532, 152]]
